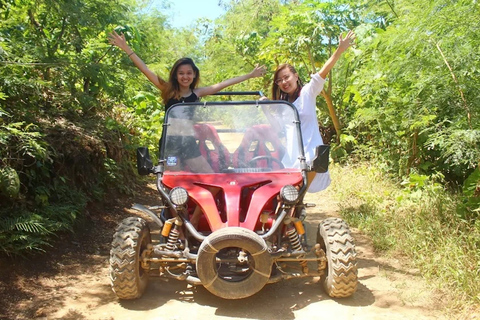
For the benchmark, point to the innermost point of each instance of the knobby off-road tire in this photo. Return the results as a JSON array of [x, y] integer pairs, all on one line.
[[127, 277], [252, 280], [340, 279]]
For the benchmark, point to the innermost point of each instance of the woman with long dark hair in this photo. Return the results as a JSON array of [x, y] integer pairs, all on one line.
[[182, 86]]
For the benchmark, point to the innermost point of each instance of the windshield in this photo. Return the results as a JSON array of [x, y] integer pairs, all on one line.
[[231, 137]]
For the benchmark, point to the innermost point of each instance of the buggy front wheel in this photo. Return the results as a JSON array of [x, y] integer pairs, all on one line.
[[340, 278], [128, 278]]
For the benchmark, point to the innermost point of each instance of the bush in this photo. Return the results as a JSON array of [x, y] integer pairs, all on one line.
[[417, 218]]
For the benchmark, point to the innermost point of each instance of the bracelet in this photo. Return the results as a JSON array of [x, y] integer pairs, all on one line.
[[131, 54]]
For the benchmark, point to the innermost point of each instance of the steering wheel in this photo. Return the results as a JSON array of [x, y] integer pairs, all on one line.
[[269, 159]]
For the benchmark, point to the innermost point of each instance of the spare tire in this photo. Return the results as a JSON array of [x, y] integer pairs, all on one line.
[[233, 263]]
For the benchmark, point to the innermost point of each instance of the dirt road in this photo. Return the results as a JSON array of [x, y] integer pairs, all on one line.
[[72, 283]]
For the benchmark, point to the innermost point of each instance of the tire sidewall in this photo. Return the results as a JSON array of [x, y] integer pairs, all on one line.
[[326, 279], [142, 276], [239, 238]]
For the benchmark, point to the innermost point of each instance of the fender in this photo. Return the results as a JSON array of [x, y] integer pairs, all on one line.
[[151, 214]]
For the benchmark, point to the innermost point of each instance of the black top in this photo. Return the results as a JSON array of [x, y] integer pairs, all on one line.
[[182, 113], [191, 98]]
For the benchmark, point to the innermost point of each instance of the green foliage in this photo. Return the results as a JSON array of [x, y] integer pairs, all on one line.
[[459, 149], [148, 122], [303, 32], [115, 173], [24, 230], [469, 208], [232, 45], [21, 148], [9, 182], [22, 233], [61, 89], [414, 93], [19, 140], [419, 221]]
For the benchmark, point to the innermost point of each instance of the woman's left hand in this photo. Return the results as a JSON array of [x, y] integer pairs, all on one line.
[[259, 71], [345, 43]]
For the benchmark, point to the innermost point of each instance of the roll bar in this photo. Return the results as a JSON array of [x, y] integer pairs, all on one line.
[[239, 93]]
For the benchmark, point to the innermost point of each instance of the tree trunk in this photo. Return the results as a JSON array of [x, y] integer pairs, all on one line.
[[333, 114]]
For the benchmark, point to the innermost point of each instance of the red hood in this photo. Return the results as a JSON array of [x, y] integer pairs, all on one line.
[[232, 184]]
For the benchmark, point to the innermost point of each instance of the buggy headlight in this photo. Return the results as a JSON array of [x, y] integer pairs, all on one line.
[[178, 196], [289, 194]]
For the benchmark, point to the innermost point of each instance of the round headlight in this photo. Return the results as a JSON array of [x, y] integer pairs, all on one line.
[[289, 194], [179, 196]]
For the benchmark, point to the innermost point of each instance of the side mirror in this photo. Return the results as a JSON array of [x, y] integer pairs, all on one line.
[[322, 157], [144, 163]]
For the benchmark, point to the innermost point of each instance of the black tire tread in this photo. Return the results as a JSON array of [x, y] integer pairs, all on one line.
[[125, 274], [341, 278]]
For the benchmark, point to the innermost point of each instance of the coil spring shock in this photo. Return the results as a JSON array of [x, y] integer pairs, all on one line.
[[294, 239], [173, 238]]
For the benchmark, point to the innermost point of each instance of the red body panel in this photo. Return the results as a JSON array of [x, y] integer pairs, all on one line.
[[232, 185]]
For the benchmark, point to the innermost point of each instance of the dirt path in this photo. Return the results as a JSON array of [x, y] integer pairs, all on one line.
[[71, 282]]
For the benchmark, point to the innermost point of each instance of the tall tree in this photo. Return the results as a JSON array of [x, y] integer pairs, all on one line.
[[233, 41]]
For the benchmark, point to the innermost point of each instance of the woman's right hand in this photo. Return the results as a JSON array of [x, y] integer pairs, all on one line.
[[118, 40]]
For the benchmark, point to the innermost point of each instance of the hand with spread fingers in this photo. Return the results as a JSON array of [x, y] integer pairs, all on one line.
[[345, 43], [258, 71], [119, 41]]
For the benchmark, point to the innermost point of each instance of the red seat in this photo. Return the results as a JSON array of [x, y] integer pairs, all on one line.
[[211, 147], [259, 140]]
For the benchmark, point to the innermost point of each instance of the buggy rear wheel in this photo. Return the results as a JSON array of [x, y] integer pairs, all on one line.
[[340, 279], [128, 278], [233, 263]]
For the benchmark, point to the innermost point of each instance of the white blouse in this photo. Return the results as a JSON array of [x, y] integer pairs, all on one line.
[[306, 106]]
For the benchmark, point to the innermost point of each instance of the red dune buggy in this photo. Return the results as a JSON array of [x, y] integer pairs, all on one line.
[[231, 178]]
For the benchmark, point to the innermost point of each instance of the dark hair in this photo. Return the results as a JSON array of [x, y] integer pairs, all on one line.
[[277, 93], [173, 87]]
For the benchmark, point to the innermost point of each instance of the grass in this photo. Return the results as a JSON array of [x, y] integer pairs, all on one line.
[[417, 219]]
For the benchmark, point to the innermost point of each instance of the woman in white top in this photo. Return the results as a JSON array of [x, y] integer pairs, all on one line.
[[287, 86]]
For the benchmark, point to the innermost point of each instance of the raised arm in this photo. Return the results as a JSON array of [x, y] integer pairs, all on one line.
[[119, 41], [205, 91], [343, 44]]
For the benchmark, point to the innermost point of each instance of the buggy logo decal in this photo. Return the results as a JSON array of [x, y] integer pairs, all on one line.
[[171, 161]]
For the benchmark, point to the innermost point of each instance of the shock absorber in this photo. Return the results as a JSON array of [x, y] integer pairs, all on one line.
[[174, 235], [295, 242], [298, 223], [294, 239]]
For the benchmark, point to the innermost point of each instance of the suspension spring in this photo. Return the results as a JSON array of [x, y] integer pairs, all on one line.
[[173, 238], [294, 239]]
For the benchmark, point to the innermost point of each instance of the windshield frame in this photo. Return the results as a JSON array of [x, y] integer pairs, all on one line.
[[226, 104]]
